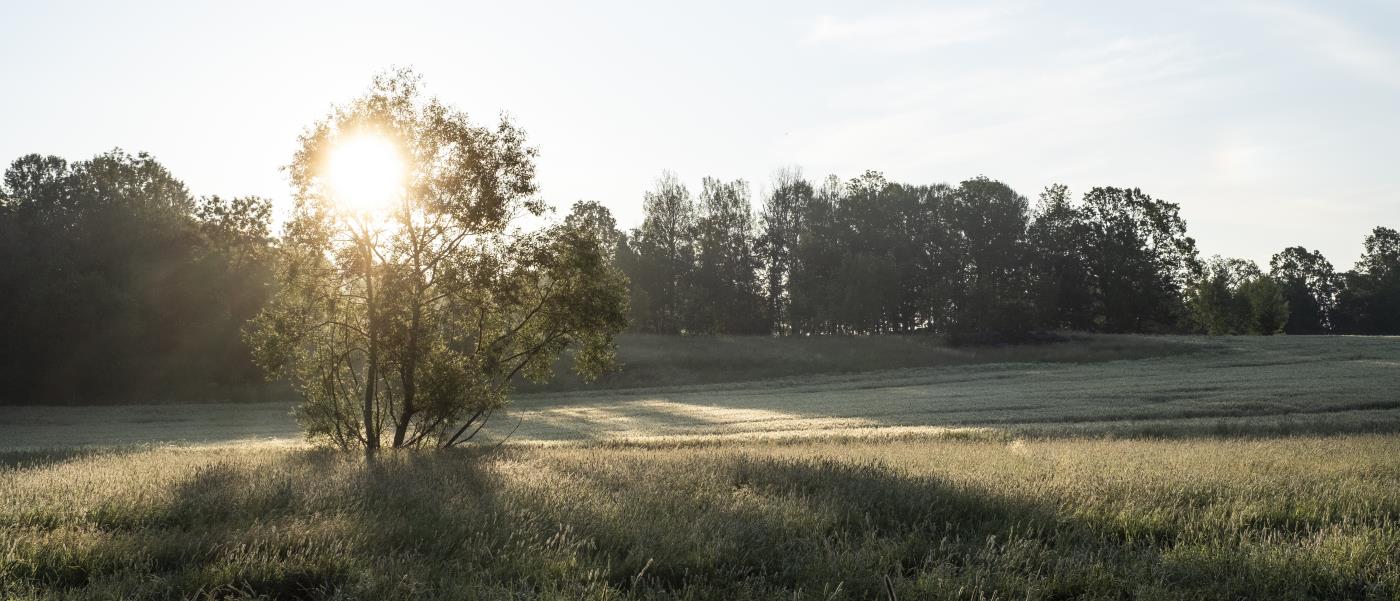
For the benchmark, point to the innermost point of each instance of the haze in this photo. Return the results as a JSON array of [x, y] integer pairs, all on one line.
[[1272, 124]]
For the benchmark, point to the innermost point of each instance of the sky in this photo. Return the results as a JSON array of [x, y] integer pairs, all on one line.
[[1272, 124]]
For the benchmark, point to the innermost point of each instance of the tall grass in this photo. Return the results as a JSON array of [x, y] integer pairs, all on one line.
[[852, 518]]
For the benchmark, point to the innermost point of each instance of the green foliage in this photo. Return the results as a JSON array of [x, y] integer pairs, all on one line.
[[1139, 258], [409, 328], [725, 294], [1234, 297], [1369, 303], [1061, 289], [121, 287], [1268, 310], [665, 256], [1216, 304], [813, 284], [1310, 287], [987, 224], [871, 256], [783, 209]]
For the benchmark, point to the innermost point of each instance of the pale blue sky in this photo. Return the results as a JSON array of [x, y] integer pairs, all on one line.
[[1271, 123]]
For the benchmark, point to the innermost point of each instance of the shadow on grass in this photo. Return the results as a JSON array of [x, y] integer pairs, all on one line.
[[33, 459], [320, 525]]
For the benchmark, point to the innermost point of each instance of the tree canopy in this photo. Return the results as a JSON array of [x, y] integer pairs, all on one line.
[[408, 327], [871, 256], [120, 286]]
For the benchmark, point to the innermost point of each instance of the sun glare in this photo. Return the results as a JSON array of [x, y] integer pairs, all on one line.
[[365, 173]]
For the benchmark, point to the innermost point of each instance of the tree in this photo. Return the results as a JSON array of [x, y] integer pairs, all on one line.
[[937, 262], [1369, 303], [1216, 306], [414, 322], [1233, 297], [782, 225], [594, 219], [725, 294], [812, 284], [635, 267], [1310, 287], [1139, 259], [990, 221], [121, 285], [665, 248], [880, 231], [1381, 256], [236, 260], [1060, 285], [1268, 310]]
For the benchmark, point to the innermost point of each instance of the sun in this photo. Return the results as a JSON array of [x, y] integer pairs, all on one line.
[[365, 172]]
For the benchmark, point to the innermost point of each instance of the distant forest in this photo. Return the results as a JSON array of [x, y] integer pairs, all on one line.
[[975, 262], [121, 286]]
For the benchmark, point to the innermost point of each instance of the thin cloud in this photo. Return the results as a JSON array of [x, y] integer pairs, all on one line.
[[1063, 108], [916, 31], [1336, 41]]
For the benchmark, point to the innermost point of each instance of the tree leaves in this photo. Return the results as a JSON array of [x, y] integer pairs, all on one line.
[[435, 311]]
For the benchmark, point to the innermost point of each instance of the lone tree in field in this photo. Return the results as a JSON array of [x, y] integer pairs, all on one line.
[[407, 303]]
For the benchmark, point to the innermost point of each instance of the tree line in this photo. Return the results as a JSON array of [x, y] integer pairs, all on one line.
[[976, 262], [120, 285]]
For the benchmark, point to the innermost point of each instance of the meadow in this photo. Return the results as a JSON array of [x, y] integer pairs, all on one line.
[[1100, 468], [678, 389]]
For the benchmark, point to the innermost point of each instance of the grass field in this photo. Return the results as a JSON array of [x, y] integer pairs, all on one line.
[[1233, 468], [1102, 385], [1293, 518]]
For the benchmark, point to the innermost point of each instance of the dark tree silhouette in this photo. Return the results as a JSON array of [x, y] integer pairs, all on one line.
[[813, 285], [1310, 287], [1139, 259], [1370, 301], [782, 225], [121, 286], [1061, 288], [665, 248], [990, 223], [725, 294]]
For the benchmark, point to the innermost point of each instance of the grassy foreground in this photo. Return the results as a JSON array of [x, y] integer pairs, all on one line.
[[837, 518]]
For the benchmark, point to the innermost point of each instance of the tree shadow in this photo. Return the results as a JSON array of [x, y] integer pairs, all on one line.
[[30, 459], [718, 525]]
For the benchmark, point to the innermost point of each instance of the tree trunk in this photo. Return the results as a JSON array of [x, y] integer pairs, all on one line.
[[410, 387], [372, 365], [410, 363]]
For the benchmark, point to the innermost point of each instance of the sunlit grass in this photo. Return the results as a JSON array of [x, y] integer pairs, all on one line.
[[1238, 468], [815, 519]]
